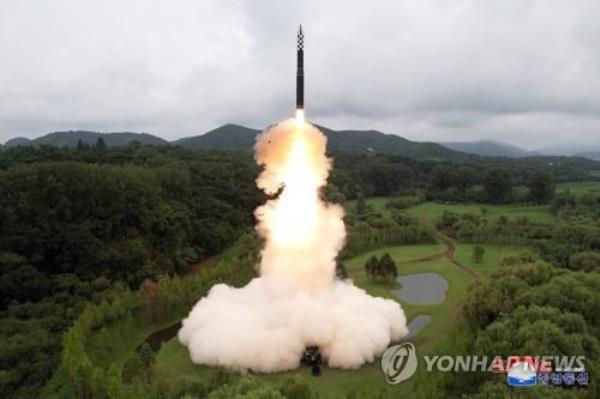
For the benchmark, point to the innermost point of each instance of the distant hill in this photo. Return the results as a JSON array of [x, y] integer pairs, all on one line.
[[487, 148], [236, 137], [16, 142], [573, 148], [595, 155], [226, 137], [71, 138], [361, 141]]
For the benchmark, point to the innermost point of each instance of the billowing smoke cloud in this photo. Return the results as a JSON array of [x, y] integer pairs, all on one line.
[[296, 302]]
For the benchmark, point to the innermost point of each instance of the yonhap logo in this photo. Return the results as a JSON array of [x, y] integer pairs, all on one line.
[[399, 363], [522, 374]]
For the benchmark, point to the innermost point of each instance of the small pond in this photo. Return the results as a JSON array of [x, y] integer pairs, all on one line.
[[422, 288], [417, 324]]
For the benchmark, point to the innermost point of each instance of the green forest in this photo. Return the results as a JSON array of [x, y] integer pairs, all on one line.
[[101, 246]]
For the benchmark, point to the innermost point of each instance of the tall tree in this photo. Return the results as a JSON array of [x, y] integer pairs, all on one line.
[[541, 187], [441, 178], [388, 269], [147, 359], [463, 178], [361, 204], [478, 253], [498, 186], [371, 267], [100, 144]]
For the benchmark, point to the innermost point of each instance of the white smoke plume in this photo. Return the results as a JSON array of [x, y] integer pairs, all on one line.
[[296, 302]]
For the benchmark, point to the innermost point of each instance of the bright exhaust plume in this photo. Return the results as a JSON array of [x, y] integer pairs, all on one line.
[[297, 301]]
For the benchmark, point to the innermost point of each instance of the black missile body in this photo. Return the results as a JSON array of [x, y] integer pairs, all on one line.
[[300, 71]]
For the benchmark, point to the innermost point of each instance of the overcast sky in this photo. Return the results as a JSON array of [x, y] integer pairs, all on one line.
[[525, 72]]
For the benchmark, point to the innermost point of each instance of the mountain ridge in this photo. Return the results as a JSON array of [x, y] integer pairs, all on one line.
[[488, 148], [237, 137], [233, 136], [71, 138]]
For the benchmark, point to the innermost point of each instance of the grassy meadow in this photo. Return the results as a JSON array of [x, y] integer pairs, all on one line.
[[579, 188], [431, 211], [491, 259]]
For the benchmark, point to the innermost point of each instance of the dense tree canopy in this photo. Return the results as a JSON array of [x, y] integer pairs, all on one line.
[[76, 224], [527, 308], [124, 222]]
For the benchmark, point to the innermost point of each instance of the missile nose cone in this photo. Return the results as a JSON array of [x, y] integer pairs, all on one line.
[[300, 38]]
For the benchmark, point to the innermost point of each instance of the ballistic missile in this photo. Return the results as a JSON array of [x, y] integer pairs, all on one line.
[[300, 71]]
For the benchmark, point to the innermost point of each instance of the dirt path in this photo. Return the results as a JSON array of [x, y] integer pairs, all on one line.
[[449, 254]]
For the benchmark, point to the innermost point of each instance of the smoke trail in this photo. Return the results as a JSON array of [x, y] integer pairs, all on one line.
[[266, 325], [303, 234]]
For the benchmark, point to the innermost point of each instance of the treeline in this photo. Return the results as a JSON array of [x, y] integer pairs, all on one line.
[[368, 229], [575, 240], [492, 180], [497, 185], [478, 229], [557, 243], [568, 207]]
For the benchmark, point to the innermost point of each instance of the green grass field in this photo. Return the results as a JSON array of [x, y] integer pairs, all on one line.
[[442, 314], [431, 211], [491, 260], [580, 188], [400, 253]]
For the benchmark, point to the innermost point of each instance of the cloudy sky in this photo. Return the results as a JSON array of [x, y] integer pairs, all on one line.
[[525, 72]]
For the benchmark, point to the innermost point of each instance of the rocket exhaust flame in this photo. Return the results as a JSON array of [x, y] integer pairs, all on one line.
[[303, 234], [299, 118], [296, 302]]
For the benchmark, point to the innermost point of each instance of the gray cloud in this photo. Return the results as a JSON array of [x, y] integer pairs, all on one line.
[[522, 71]]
